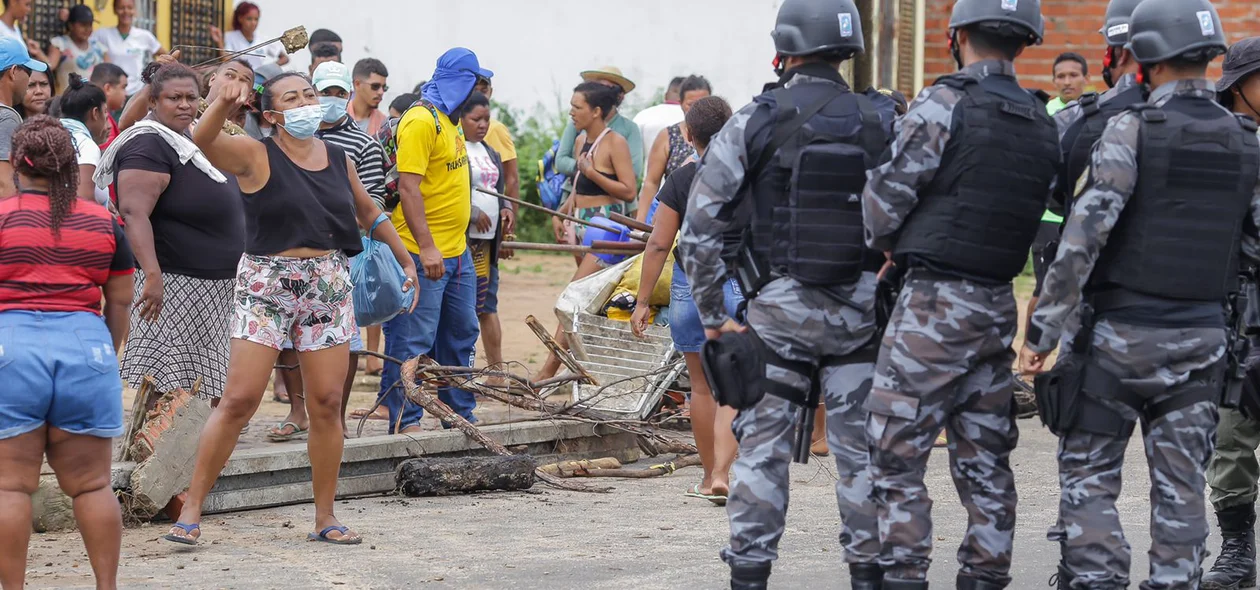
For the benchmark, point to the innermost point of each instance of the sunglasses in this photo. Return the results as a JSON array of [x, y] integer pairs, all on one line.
[[379, 86]]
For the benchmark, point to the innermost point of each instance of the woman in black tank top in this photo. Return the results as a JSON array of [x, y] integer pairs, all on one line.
[[302, 201]]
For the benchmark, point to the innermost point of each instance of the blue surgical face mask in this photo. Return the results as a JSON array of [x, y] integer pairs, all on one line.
[[334, 108], [302, 122]]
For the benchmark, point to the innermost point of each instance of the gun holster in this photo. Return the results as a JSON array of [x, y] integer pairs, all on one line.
[[741, 370], [1068, 399], [886, 293]]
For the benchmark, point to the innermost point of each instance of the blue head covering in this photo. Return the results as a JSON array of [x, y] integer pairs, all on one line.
[[453, 80]]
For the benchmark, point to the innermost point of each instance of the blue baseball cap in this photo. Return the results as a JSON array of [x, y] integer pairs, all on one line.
[[13, 53]]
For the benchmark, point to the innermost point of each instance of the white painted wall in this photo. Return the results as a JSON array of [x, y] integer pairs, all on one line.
[[537, 47]]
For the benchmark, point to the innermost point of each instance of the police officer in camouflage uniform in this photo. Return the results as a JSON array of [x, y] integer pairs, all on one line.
[[958, 205], [787, 170], [1233, 470], [1081, 122], [1148, 257]]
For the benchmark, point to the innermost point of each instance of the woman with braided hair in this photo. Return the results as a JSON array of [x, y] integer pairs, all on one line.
[[62, 397]]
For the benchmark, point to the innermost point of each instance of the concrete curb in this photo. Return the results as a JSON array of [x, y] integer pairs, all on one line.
[[276, 476]]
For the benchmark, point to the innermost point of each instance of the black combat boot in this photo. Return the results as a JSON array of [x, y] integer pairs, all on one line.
[[750, 577], [1235, 567], [866, 576], [970, 583], [903, 584], [1063, 579]]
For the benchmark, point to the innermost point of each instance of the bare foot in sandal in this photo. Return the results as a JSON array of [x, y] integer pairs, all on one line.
[[336, 534], [379, 414], [184, 534]]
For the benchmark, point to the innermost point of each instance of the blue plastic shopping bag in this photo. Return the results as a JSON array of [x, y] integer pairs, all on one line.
[[378, 282]]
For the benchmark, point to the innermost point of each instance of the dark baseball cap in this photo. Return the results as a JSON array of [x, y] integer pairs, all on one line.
[[80, 13], [1242, 60]]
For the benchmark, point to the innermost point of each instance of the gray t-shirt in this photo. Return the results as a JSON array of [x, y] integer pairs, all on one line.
[[9, 121]]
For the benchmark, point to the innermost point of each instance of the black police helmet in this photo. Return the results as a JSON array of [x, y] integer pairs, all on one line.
[[1116, 27], [1006, 18], [1164, 29], [1003, 18], [807, 27]]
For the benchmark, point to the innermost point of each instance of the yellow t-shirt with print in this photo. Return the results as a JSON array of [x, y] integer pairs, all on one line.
[[500, 139], [435, 150]]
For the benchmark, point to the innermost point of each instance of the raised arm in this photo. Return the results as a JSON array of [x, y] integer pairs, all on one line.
[[138, 106], [239, 155]]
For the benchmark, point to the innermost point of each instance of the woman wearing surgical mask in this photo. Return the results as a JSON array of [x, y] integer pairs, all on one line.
[[302, 199], [332, 81]]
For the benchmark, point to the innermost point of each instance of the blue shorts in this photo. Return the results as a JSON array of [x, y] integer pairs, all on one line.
[[684, 318], [59, 369]]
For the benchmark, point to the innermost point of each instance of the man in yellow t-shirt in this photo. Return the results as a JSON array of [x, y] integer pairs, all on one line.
[[432, 220]]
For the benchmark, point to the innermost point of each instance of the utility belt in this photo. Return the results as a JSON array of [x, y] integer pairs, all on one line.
[[741, 370], [1069, 395], [753, 272]]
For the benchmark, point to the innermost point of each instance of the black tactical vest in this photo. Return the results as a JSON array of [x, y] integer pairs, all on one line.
[[1079, 139], [978, 217], [1179, 234], [808, 193]]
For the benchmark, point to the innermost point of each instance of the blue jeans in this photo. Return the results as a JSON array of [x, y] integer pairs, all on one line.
[[732, 297], [59, 369], [443, 326]]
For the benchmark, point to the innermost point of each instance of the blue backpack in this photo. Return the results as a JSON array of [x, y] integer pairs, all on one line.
[[550, 182]]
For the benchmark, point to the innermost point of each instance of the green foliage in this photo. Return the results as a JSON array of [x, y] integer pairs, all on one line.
[[533, 134]]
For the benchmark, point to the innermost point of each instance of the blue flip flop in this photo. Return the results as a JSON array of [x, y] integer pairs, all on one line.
[[188, 530], [323, 536]]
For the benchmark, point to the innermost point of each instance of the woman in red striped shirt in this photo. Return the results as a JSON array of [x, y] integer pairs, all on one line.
[[61, 394]]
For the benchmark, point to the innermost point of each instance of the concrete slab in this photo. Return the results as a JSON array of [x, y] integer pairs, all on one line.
[[259, 478]]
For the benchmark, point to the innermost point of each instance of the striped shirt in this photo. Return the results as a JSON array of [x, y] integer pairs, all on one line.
[[366, 153], [40, 272]]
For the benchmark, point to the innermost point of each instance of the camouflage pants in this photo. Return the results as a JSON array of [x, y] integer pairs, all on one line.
[[945, 363], [1155, 363], [801, 325]]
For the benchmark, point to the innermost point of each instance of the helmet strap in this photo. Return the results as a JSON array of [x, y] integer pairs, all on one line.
[[778, 62]]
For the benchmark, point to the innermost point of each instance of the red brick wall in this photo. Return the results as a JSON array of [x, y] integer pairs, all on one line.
[[1071, 25]]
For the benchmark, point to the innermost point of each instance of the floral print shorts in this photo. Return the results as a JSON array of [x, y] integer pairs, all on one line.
[[307, 300]]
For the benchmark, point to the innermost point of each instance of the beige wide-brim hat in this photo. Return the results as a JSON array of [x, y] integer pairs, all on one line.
[[610, 74]]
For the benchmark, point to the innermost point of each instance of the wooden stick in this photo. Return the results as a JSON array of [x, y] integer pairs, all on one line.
[[430, 402], [570, 248], [566, 357], [619, 247], [653, 471], [630, 222], [633, 235]]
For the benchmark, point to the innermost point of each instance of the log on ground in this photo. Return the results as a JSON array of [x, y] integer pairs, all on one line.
[[442, 477]]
